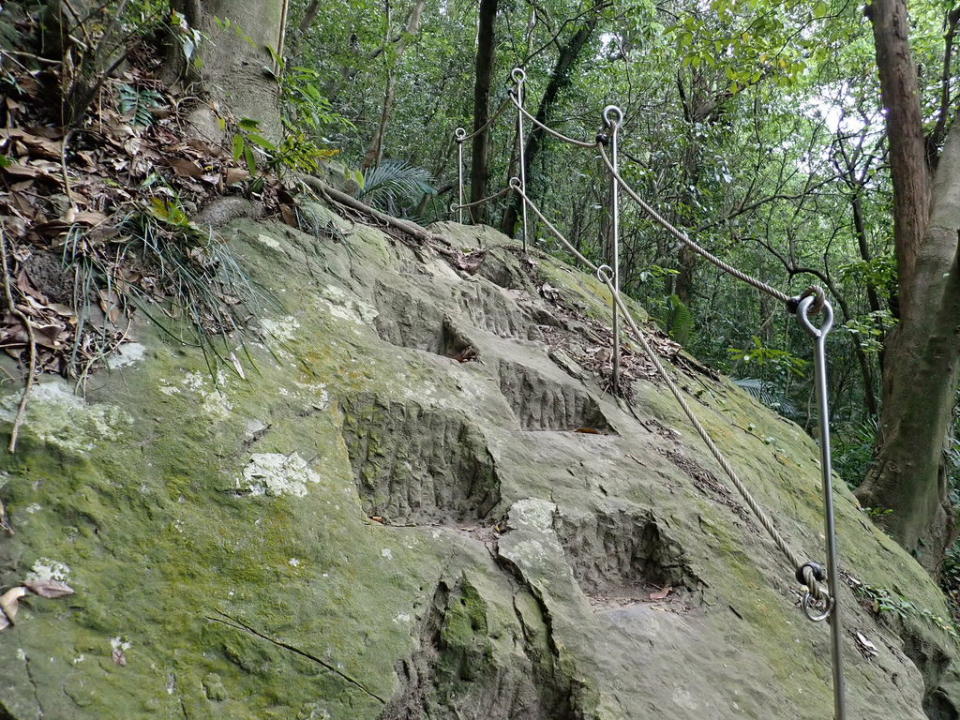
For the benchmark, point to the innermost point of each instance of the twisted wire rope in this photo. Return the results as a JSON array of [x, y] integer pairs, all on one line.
[[481, 201], [499, 111], [685, 239], [549, 130], [817, 591]]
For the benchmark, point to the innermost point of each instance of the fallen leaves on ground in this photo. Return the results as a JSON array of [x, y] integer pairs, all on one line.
[[9, 601]]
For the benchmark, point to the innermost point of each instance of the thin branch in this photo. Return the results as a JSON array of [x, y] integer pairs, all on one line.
[[940, 130], [22, 408], [237, 624]]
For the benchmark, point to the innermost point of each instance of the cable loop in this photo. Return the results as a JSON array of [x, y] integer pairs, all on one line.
[[605, 274], [518, 75], [497, 113], [816, 610], [805, 309], [820, 297], [608, 112]]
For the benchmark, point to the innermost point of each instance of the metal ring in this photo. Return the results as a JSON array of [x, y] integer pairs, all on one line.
[[803, 312], [809, 603], [605, 274], [515, 183], [518, 75], [610, 110], [460, 134], [454, 207]]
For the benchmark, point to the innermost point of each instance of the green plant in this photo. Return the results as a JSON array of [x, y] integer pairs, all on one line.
[[188, 38], [853, 450], [248, 142], [764, 356], [170, 269], [298, 152], [881, 601], [305, 106], [678, 320], [137, 103], [870, 329], [394, 183]]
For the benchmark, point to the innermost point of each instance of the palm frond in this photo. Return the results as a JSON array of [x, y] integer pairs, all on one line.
[[393, 184]]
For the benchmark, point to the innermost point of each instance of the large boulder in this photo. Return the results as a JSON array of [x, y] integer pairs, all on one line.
[[417, 502]]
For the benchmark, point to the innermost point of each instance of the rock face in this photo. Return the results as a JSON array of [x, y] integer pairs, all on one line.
[[418, 503]]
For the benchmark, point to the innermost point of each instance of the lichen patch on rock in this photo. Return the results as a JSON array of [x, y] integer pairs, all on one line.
[[274, 474]]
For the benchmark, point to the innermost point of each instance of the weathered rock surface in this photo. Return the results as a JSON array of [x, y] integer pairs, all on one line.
[[367, 528]]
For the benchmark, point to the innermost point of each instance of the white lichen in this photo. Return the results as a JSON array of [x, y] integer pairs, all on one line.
[[47, 569], [533, 512], [126, 354], [341, 305], [268, 241], [275, 474], [57, 416], [281, 330]]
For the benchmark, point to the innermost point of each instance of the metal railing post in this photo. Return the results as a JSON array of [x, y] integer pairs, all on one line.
[[519, 76], [830, 531], [613, 117], [460, 134]]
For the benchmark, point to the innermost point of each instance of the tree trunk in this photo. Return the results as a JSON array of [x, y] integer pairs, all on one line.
[[559, 79], [920, 369], [233, 55], [486, 44], [374, 153]]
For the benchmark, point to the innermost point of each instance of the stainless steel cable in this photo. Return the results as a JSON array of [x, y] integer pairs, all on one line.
[[551, 131], [803, 568], [685, 239], [497, 113], [481, 201]]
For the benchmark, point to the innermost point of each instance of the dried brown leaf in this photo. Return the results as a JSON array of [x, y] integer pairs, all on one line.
[[50, 589], [661, 594], [8, 605]]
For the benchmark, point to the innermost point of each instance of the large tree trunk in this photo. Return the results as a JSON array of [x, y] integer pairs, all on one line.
[[233, 58], [920, 368], [559, 79], [486, 43]]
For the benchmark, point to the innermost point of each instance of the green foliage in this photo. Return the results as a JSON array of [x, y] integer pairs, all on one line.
[[882, 601], [138, 102], [853, 450], [394, 184], [870, 329], [306, 109], [764, 356], [201, 274], [249, 143], [9, 35], [678, 320], [188, 38], [880, 272]]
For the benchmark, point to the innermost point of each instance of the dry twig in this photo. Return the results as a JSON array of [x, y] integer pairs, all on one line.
[[22, 408]]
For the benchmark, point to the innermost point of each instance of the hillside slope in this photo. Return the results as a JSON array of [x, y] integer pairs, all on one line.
[[418, 503]]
